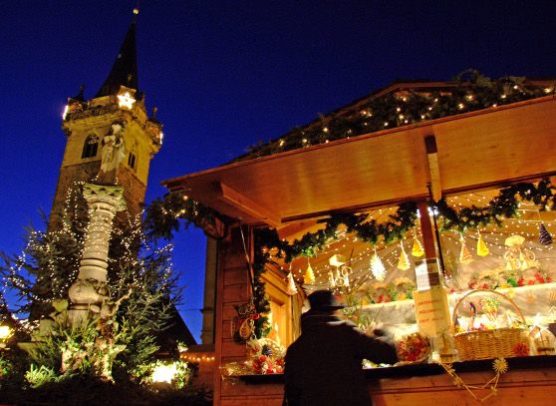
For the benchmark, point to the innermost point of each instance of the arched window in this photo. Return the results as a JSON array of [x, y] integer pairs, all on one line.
[[132, 160], [90, 147]]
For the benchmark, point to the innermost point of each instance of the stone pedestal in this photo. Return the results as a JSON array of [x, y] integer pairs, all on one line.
[[89, 290]]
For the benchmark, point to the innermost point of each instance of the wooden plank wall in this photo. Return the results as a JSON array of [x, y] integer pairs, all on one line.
[[231, 289], [232, 284]]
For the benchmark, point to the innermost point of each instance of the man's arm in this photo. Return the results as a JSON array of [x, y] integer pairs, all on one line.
[[380, 350]]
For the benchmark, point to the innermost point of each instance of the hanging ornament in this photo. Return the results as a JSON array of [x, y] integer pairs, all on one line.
[[464, 255], [403, 261], [345, 276], [544, 236], [331, 280], [292, 289], [482, 248], [338, 278], [417, 250], [309, 276], [377, 267]]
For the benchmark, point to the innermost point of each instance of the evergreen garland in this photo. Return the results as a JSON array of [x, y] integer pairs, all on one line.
[[504, 205], [470, 91]]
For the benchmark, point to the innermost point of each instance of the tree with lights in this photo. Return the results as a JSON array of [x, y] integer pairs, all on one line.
[[141, 288]]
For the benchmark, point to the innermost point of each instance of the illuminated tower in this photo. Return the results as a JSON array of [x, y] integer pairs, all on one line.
[[118, 104]]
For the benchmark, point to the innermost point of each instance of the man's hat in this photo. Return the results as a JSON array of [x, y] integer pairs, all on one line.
[[324, 300]]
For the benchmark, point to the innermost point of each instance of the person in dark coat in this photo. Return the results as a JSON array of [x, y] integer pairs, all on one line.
[[323, 366]]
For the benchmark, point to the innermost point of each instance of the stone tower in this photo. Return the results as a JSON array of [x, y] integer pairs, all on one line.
[[118, 104]]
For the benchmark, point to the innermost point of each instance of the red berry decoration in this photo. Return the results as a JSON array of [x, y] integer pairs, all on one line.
[[521, 349]]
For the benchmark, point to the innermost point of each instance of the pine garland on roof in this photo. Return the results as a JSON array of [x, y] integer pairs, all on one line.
[[470, 91]]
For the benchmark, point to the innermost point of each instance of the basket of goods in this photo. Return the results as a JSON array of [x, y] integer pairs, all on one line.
[[413, 348], [489, 342], [381, 292], [265, 356], [403, 288]]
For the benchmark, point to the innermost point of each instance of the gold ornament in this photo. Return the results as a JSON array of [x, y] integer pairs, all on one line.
[[292, 289], [337, 260], [403, 261], [482, 248], [417, 249], [464, 255], [500, 366], [345, 276], [331, 280], [377, 267], [309, 276]]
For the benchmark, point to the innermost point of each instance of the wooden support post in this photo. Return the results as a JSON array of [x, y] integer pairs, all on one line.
[[429, 244], [434, 167], [431, 300]]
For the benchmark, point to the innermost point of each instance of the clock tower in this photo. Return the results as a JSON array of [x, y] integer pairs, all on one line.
[[111, 137]]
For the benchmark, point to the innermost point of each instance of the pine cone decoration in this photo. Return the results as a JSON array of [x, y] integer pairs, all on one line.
[[544, 236], [266, 351]]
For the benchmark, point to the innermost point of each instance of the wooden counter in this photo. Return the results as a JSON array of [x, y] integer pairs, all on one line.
[[529, 381]]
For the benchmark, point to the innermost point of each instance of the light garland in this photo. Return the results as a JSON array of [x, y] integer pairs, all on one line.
[[471, 91]]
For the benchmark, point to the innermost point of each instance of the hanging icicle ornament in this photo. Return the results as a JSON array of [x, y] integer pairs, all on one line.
[[377, 267], [291, 289], [309, 276], [417, 250], [464, 255], [544, 236], [482, 248], [403, 260]]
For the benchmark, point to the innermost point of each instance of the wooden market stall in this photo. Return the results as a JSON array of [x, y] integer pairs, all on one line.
[[465, 158]]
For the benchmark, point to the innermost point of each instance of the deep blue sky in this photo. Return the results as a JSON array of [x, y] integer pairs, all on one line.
[[228, 74]]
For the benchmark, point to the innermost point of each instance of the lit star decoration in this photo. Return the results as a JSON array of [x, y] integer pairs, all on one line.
[[126, 100]]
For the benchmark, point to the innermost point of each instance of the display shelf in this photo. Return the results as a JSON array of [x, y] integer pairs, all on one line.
[[531, 299], [426, 369]]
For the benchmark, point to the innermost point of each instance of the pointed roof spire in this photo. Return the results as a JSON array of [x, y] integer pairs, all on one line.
[[124, 70]]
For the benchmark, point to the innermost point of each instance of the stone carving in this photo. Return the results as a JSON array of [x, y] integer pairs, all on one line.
[[113, 151]]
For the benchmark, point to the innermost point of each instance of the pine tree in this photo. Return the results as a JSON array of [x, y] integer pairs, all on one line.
[[140, 275]]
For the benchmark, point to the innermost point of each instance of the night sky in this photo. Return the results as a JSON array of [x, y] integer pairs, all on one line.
[[228, 74]]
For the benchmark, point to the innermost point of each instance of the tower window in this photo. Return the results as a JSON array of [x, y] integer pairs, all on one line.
[[91, 147], [131, 160]]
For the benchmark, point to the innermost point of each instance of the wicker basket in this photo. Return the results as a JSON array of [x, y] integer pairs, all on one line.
[[489, 343]]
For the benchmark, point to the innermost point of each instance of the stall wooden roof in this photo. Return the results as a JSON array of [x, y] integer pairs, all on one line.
[[475, 150]]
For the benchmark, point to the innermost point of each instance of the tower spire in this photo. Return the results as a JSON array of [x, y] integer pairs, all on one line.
[[124, 69]]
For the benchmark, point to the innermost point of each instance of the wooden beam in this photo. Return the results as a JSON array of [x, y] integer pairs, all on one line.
[[245, 205], [434, 167]]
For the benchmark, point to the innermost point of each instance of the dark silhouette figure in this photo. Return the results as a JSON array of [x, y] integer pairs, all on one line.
[[323, 366]]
